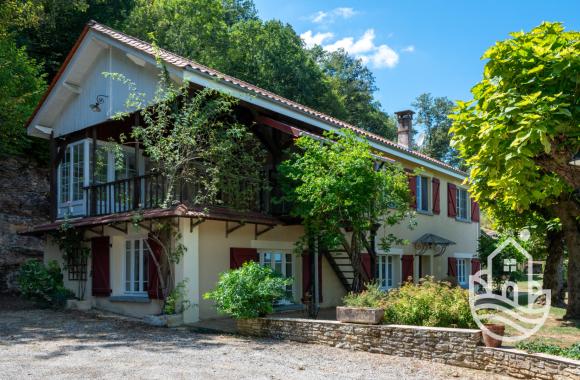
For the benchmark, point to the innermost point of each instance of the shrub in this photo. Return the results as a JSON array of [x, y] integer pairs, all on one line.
[[249, 291], [373, 296], [176, 301], [572, 352], [43, 284], [429, 303]]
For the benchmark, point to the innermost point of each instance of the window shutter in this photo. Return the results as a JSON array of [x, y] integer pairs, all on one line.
[[154, 290], [101, 284], [366, 264], [475, 266], [474, 211], [412, 187], [452, 267], [451, 200], [308, 275], [407, 267], [238, 256], [436, 203]]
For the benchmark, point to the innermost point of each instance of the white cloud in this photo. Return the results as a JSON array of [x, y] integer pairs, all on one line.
[[408, 49], [364, 48], [322, 17], [315, 39]]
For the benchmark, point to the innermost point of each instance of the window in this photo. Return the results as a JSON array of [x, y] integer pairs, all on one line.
[[72, 174], [422, 193], [136, 266], [385, 271], [462, 204], [283, 264], [462, 271]]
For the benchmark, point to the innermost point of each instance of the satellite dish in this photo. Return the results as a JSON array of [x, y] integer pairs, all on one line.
[[421, 139]]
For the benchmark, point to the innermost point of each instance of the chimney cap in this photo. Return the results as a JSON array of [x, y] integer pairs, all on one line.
[[404, 113]]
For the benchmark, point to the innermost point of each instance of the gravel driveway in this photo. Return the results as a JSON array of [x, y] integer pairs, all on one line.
[[38, 343]]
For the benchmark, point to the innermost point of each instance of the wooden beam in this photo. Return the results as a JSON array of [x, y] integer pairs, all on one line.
[[97, 232], [53, 174], [258, 232], [124, 230], [232, 229], [193, 224]]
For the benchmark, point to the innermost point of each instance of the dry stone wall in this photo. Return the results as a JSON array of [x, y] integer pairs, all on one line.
[[459, 347], [24, 188]]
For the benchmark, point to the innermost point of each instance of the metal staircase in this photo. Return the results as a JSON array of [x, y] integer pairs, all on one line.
[[342, 266]]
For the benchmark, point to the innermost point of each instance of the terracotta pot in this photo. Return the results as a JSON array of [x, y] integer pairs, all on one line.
[[490, 341]]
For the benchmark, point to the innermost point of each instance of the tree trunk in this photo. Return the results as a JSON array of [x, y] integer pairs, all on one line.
[[568, 210], [553, 276]]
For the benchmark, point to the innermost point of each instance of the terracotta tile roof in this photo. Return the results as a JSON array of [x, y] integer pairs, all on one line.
[[188, 64], [182, 62]]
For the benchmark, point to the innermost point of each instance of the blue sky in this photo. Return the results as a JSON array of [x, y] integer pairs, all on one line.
[[418, 46]]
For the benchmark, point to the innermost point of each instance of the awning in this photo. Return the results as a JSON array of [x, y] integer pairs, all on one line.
[[432, 242]]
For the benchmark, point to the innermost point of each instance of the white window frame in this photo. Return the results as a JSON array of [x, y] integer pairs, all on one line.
[[388, 261], [419, 194], [69, 206], [462, 270], [143, 269], [285, 254], [460, 190]]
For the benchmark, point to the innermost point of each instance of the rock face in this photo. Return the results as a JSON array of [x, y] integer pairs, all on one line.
[[24, 201]]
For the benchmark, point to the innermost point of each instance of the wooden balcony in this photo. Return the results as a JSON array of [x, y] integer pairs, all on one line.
[[151, 191]]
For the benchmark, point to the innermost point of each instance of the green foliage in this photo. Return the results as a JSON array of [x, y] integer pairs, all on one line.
[[572, 352], [176, 302], [43, 284], [429, 303], [433, 113], [372, 296], [249, 291], [21, 85], [334, 184], [521, 129]]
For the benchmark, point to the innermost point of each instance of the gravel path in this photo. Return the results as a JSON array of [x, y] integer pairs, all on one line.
[[38, 343]]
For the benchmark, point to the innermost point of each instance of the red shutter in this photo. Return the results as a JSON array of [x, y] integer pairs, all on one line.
[[451, 200], [307, 276], [474, 211], [154, 291], [475, 266], [436, 203], [452, 267], [238, 256], [413, 190], [100, 266], [407, 261], [366, 264]]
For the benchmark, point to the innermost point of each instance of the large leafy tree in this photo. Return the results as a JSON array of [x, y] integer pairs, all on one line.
[[354, 86], [343, 196], [433, 113], [21, 85], [521, 130]]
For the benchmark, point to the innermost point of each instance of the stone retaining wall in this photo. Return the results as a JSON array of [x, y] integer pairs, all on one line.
[[459, 347]]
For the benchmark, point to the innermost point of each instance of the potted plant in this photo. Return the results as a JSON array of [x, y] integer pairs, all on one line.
[[175, 304], [364, 307], [497, 329]]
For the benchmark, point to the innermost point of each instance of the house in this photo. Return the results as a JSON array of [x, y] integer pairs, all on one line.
[[101, 200]]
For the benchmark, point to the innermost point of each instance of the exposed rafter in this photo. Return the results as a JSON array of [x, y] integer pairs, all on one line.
[[258, 232], [229, 229]]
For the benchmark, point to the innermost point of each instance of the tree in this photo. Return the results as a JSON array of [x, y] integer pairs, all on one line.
[[21, 85], [342, 197], [354, 86], [521, 130], [433, 113]]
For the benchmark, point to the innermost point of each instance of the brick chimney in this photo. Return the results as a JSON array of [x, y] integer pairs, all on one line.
[[405, 128]]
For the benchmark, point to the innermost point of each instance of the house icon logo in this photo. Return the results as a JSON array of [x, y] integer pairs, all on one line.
[[514, 307]]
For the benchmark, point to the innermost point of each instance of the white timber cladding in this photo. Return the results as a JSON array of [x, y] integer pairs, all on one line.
[[67, 111]]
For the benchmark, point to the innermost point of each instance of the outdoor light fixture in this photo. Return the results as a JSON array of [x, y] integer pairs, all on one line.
[[575, 160], [100, 100]]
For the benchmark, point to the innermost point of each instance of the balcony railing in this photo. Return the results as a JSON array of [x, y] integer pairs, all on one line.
[[151, 191]]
